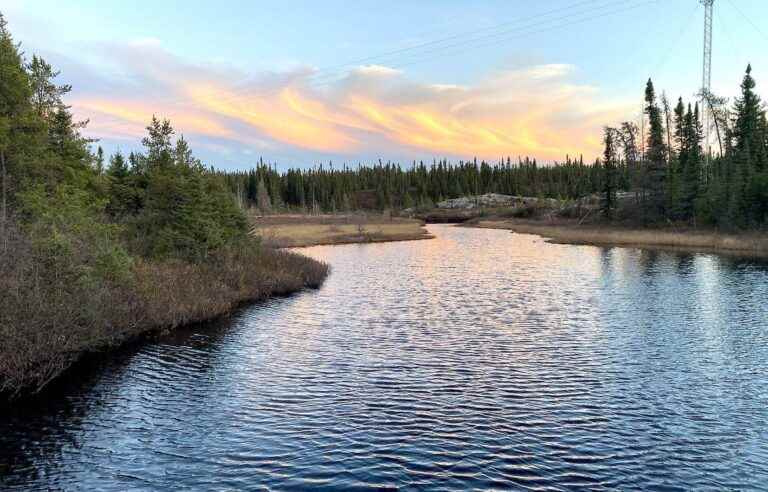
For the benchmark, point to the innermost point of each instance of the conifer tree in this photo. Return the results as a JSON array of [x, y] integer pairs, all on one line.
[[609, 179], [655, 155], [46, 95], [158, 143], [15, 93]]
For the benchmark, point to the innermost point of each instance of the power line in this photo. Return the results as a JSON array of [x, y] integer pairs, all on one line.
[[467, 36], [737, 9], [687, 22], [449, 38], [473, 43]]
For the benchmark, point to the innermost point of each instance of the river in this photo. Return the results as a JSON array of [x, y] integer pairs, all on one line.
[[481, 359]]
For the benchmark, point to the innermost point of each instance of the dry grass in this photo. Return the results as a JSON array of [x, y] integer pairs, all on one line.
[[299, 231], [753, 244], [51, 314]]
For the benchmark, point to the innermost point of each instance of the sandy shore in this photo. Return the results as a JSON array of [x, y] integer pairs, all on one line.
[[291, 231]]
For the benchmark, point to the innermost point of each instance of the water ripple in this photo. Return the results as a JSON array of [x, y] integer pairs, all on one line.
[[479, 360]]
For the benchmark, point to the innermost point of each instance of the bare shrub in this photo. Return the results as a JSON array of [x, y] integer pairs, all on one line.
[[52, 309]]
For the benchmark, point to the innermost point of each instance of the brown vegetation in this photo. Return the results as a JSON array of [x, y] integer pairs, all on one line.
[[570, 232], [285, 231], [52, 310]]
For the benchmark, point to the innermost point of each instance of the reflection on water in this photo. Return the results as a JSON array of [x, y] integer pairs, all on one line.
[[480, 359]]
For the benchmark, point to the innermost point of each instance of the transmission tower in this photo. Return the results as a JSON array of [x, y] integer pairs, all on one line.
[[706, 83]]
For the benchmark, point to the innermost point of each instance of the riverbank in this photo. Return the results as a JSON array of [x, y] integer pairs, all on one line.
[[295, 230], [50, 319], [570, 232]]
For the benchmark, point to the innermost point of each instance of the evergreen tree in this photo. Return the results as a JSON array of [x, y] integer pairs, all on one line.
[[608, 203], [118, 168], [749, 200], [655, 155], [160, 151], [15, 93], [46, 95], [99, 160]]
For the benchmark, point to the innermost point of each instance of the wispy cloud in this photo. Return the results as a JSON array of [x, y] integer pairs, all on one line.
[[368, 110]]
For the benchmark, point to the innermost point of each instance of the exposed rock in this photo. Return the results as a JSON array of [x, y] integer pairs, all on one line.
[[495, 200]]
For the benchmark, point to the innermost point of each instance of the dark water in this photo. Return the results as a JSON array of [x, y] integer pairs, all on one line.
[[478, 360]]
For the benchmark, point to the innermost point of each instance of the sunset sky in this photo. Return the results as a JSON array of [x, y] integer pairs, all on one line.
[[307, 82]]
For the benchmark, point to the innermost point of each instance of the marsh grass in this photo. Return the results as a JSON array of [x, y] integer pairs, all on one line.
[[298, 231], [752, 243]]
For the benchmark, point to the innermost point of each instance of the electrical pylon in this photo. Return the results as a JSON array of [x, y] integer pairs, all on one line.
[[706, 83]]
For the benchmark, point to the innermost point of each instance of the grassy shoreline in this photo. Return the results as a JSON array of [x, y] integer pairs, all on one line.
[[568, 232], [297, 231], [49, 321]]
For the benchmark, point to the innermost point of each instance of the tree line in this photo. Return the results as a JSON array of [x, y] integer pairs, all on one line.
[[676, 179], [390, 185], [661, 163], [159, 203]]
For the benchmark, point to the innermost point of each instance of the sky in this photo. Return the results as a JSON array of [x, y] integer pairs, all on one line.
[[298, 83]]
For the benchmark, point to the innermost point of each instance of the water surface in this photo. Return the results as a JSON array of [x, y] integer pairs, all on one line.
[[481, 359]]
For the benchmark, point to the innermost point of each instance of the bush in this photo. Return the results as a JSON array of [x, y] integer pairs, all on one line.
[[61, 299]]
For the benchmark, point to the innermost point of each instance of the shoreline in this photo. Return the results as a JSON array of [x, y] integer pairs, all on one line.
[[89, 362], [701, 241], [301, 231], [358, 240], [161, 299]]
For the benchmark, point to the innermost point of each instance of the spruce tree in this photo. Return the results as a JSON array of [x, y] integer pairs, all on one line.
[[46, 94], [609, 179], [749, 167], [655, 155], [15, 93]]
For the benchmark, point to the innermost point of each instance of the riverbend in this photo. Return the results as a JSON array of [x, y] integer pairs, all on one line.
[[480, 359]]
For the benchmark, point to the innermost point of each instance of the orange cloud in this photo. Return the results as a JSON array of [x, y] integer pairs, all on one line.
[[134, 116], [535, 111]]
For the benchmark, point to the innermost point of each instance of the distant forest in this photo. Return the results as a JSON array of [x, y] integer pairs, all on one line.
[[672, 176]]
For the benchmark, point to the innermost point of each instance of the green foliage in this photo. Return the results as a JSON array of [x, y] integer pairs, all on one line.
[[608, 203], [656, 155], [392, 186], [88, 255], [67, 226], [161, 204], [186, 214]]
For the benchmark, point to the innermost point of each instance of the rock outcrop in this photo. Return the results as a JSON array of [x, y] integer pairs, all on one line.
[[495, 200]]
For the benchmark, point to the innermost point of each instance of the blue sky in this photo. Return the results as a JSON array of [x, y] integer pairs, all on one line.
[[303, 82]]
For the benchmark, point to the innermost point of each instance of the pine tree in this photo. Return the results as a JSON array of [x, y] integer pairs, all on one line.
[[750, 155], [118, 168], [99, 163], [608, 204], [655, 155], [690, 159], [15, 93], [46, 95], [160, 151], [182, 154]]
